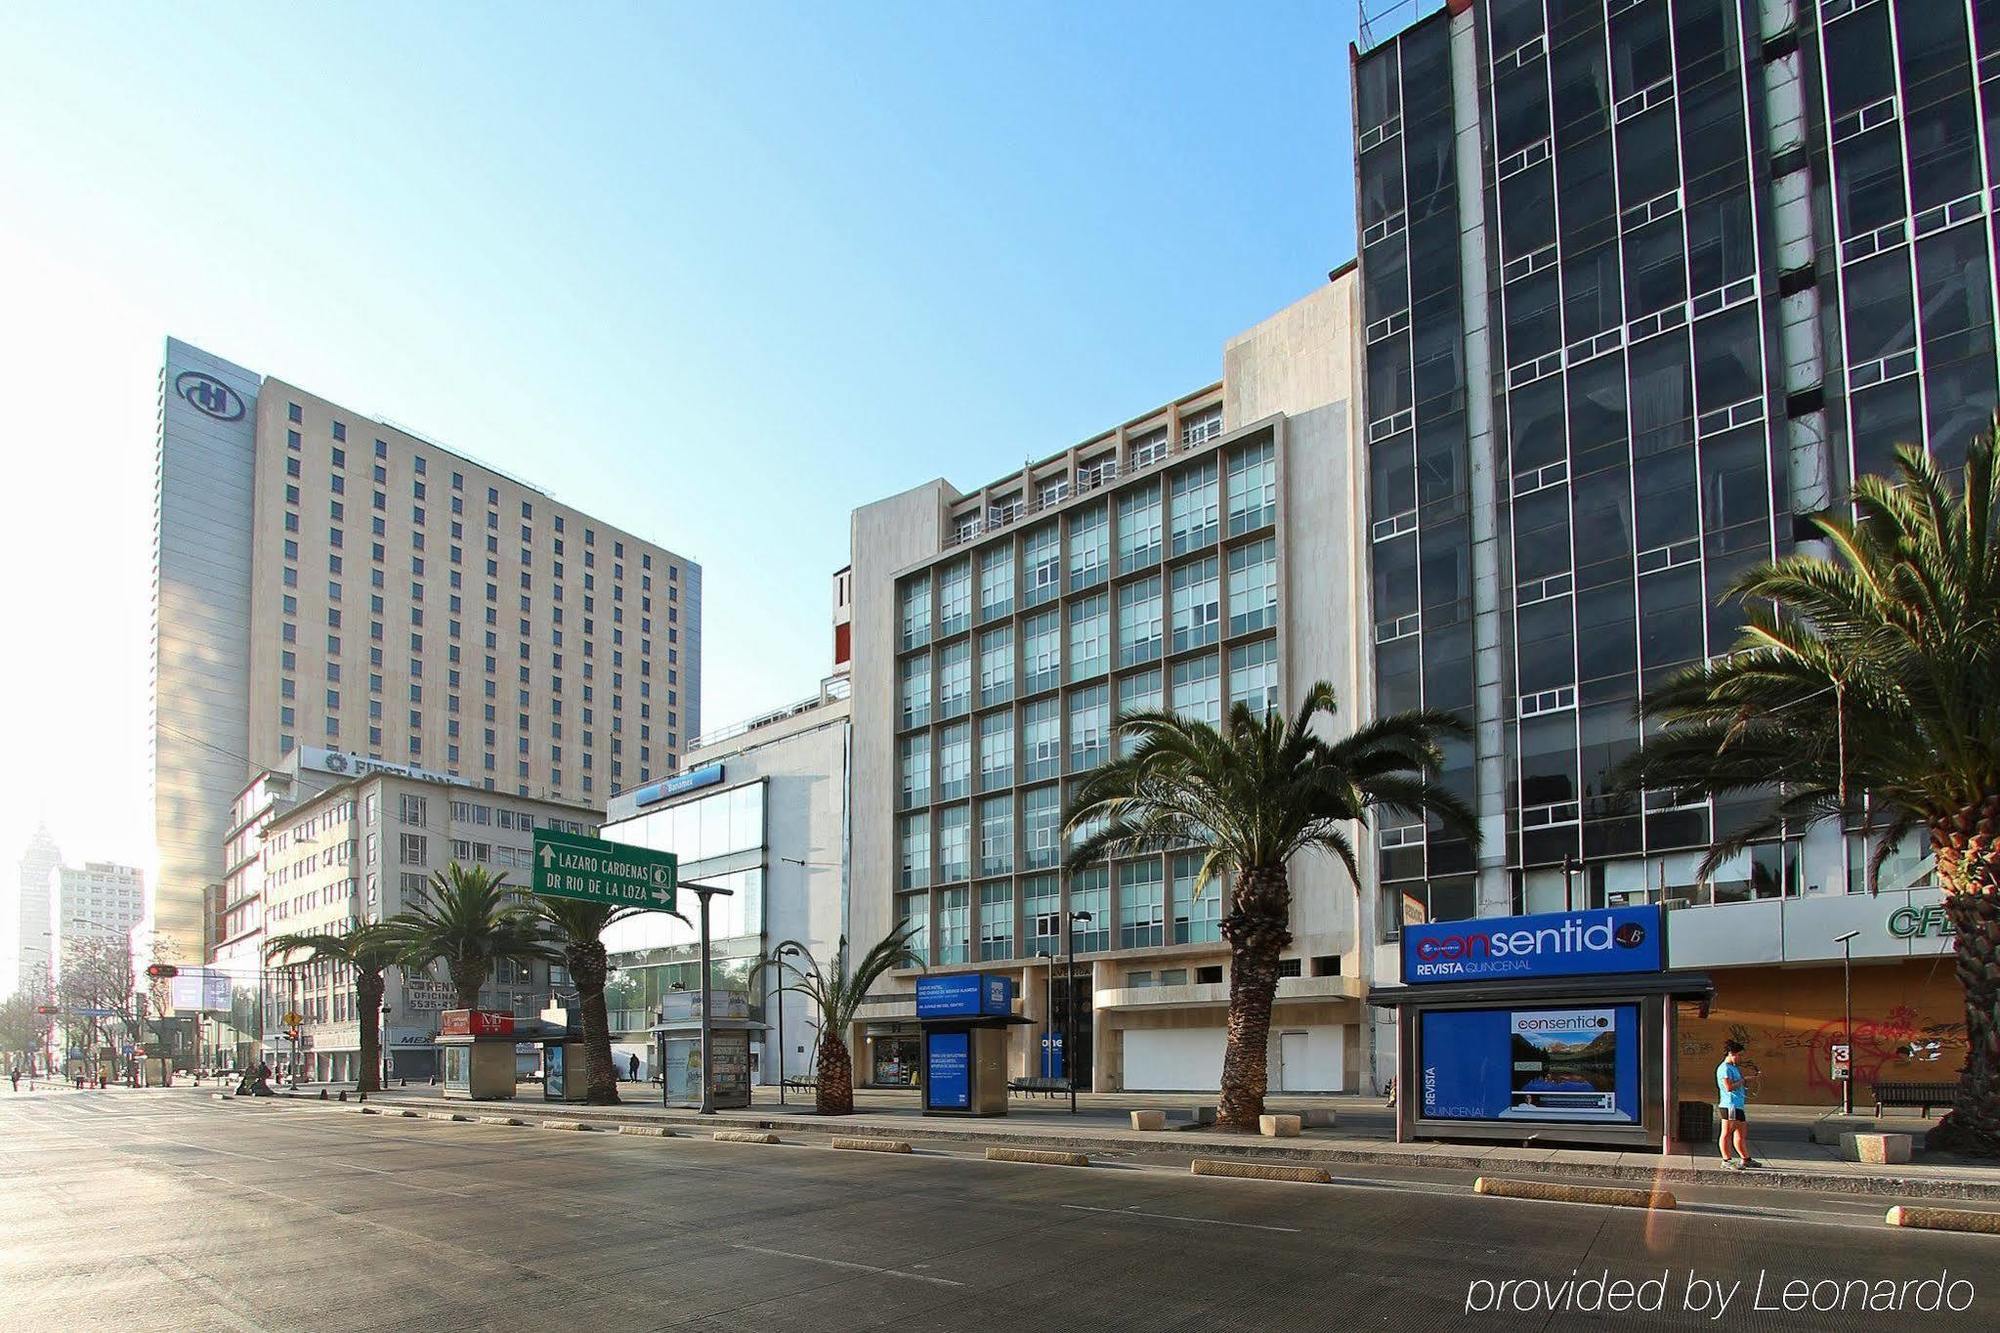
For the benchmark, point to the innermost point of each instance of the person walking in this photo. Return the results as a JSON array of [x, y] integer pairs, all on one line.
[[15, 1074], [635, 1066], [1732, 1098]]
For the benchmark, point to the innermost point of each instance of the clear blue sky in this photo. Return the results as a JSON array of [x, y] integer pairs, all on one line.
[[716, 273]]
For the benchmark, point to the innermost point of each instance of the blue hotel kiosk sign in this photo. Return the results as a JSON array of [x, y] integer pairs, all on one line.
[[965, 1016]]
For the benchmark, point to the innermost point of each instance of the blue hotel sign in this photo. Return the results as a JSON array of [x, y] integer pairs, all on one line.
[[965, 995], [705, 776], [1551, 944]]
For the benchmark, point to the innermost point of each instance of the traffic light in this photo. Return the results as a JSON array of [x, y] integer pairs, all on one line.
[[47, 1009], [161, 971]]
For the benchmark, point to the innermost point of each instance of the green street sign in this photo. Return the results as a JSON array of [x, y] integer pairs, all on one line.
[[591, 870]]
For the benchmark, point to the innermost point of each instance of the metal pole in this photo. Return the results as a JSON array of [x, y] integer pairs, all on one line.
[[707, 1004], [1847, 1002], [1049, 1022], [781, 1029], [1069, 1016]]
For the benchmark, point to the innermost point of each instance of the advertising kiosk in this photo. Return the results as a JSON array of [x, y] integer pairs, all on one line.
[[678, 1055], [1554, 1028], [965, 1017]]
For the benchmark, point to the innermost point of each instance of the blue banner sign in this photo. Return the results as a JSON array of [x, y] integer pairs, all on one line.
[[1559, 1066], [705, 776], [948, 1071], [1052, 1055], [1553, 944], [965, 995]]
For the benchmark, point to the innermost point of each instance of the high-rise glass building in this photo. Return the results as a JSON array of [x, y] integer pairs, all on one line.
[[1645, 284]]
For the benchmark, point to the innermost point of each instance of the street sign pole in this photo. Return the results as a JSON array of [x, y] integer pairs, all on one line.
[[704, 892]]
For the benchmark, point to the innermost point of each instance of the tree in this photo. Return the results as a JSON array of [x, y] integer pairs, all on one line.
[[99, 992], [368, 951], [471, 918], [24, 1031], [577, 929], [1865, 688], [1249, 797], [838, 992]]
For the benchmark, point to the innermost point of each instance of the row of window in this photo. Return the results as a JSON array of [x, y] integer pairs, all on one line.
[[982, 921]]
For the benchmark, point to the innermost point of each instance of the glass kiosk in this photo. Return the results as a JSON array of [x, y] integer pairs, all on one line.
[[476, 1050], [965, 1017], [678, 1055]]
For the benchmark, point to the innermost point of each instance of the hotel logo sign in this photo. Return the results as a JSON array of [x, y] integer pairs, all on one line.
[[209, 395]]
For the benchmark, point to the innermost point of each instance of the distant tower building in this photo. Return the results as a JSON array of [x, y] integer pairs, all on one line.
[[32, 951]]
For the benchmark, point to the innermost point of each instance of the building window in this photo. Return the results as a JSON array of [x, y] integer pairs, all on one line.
[[955, 925], [916, 611], [1197, 917], [913, 917], [996, 836], [1197, 690], [1089, 727], [1149, 448], [1041, 560], [1201, 427], [954, 844], [1041, 912], [996, 581], [1197, 604], [1089, 547], [1139, 622], [955, 597], [1192, 509], [913, 859], [1253, 677], [1138, 528], [954, 775], [1041, 740], [914, 765], [1253, 587], [1089, 637], [996, 751], [996, 666], [955, 679], [1041, 828], [916, 690], [996, 922], [1041, 645], [1253, 488], [415, 849], [1141, 904], [1090, 891]]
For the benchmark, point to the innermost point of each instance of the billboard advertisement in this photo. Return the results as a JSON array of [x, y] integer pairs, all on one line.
[[1551, 944], [1554, 1065], [948, 1072], [199, 990], [965, 995]]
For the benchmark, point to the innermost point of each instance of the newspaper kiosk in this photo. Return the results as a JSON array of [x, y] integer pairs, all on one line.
[[1553, 1028]]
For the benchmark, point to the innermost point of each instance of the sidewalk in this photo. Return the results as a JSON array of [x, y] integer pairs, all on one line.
[[1364, 1133]]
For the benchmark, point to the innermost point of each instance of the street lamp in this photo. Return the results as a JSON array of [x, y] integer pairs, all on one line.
[[382, 1040], [1846, 943], [1049, 1018], [780, 956], [1570, 866], [1069, 1009]]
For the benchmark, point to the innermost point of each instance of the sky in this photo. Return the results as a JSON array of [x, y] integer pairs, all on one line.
[[717, 274]]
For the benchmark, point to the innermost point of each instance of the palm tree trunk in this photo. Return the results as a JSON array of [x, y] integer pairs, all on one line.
[[835, 1094], [1258, 929], [587, 969], [1968, 863], [368, 987], [468, 976]]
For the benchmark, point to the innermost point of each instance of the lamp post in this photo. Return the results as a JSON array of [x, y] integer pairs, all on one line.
[[1049, 1018], [704, 892], [1846, 943], [780, 956], [1570, 866], [382, 1041], [1069, 1009]]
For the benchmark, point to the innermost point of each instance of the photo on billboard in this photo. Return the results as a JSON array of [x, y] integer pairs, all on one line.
[[1544, 1065]]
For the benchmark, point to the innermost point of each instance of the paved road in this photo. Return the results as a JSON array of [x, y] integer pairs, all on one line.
[[150, 1210]]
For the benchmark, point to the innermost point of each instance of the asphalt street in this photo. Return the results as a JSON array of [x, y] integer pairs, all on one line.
[[169, 1210]]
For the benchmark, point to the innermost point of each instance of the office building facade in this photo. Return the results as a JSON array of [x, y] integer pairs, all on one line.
[[1645, 285], [94, 902], [327, 579], [33, 938], [1193, 558]]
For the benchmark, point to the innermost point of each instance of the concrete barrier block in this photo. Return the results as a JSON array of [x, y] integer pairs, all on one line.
[[1149, 1120], [1278, 1126], [1876, 1149], [501, 1120], [1037, 1156], [743, 1136], [650, 1131], [565, 1124], [1555, 1192], [1319, 1117], [871, 1145], [409, 1114], [1202, 1115], [1945, 1219], [1304, 1175], [447, 1115]]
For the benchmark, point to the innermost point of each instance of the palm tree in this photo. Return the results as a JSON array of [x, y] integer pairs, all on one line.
[[577, 929], [471, 918], [369, 951], [1249, 797], [838, 994], [1867, 686]]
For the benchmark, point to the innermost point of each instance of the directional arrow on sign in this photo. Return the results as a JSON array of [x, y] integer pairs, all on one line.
[[592, 870]]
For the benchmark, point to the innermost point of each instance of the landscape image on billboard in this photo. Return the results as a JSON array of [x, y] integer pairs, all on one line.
[[1564, 1065]]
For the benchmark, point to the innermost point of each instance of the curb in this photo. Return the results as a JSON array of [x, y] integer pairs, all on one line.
[[1303, 1175], [1944, 1219], [1551, 1192], [871, 1145], [1037, 1156], [743, 1136]]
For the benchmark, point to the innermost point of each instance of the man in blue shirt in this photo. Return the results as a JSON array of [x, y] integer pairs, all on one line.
[[1731, 1099]]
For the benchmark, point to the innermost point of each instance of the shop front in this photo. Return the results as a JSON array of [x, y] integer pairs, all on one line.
[[892, 1054]]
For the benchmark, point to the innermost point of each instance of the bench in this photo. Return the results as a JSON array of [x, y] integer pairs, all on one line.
[[1923, 1096], [802, 1083], [1051, 1086]]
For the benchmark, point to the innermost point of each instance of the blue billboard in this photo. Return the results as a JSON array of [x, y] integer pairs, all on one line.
[[965, 995], [948, 1071], [1562, 1066], [1552, 944]]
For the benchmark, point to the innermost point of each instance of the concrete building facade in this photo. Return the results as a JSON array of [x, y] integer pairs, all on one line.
[[760, 808], [1191, 558], [33, 941], [328, 579], [98, 900]]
